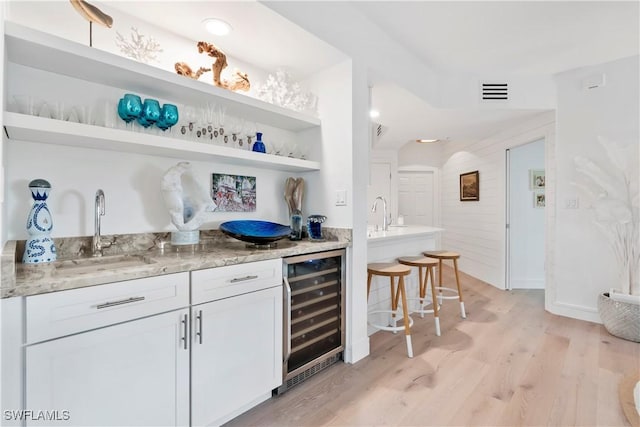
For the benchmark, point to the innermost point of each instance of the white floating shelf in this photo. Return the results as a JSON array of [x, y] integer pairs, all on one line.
[[23, 127], [47, 52]]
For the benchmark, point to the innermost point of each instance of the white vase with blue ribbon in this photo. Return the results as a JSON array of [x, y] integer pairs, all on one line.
[[40, 247]]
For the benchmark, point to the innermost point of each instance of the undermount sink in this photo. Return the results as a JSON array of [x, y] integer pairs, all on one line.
[[88, 265]]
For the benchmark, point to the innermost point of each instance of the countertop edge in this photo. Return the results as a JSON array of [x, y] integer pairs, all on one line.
[[401, 234], [42, 279]]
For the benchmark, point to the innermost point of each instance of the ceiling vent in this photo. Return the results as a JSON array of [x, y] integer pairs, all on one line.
[[491, 91], [378, 130]]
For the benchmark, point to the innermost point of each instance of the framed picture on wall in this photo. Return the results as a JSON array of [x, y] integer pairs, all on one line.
[[233, 193], [469, 186], [536, 179], [538, 199]]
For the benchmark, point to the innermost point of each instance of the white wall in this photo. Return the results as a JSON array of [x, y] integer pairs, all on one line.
[[382, 186], [585, 265], [424, 154], [3, 232], [357, 339], [131, 183], [477, 229], [526, 225], [334, 89]]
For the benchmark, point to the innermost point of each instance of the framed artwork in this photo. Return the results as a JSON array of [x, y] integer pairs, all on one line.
[[538, 199], [233, 193], [469, 186], [536, 179]]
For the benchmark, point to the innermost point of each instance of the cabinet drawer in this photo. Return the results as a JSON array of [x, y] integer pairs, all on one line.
[[223, 282], [68, 312]]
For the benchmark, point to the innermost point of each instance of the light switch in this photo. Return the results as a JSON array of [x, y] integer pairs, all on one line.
[[571, 203], [341, 198]]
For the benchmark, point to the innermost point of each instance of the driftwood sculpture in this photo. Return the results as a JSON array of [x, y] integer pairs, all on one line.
[[239, 81], [91, 14], [184, 70], [293, 194]]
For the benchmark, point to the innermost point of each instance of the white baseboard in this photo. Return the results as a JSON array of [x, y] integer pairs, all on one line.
[[527, 283], [580, 312], [357, 351]]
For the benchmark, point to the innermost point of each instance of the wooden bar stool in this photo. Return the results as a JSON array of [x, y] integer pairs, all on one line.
[[393, 270], [457, 294], [425, 273]]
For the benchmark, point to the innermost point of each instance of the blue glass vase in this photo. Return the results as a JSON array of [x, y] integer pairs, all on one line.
[[258, 146], [40, 246]]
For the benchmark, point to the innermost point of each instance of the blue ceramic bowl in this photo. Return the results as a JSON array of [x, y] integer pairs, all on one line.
[[254, 231]]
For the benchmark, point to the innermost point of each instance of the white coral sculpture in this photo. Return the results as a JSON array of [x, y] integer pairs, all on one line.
[[139, 47], [280, 89], [187, 201], [612, 186]]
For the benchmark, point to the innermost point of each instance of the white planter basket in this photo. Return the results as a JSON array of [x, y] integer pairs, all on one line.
[[621, 319]]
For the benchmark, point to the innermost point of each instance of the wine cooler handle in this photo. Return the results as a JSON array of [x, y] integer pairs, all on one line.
[[287, 326]]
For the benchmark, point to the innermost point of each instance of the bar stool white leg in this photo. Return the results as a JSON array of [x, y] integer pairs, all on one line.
[[407, 325], [421, 290], [436, 305], [462, 311]]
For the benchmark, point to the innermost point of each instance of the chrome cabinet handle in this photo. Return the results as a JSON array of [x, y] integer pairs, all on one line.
[[199, 330], [120, 302], [242, 279], [287, 326], [185, 331]]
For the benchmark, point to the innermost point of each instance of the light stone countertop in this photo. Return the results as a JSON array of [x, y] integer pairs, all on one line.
[[159, 258], [396, 232]]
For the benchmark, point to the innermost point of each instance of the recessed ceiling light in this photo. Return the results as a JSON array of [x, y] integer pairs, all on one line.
[[421, 141], [374, 114], [217, 26]]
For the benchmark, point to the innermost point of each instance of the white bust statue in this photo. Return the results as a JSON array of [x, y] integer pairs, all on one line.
[[187, 201]]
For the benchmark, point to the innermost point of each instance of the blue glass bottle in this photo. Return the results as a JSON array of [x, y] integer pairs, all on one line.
[[258, 146], [40, 246]]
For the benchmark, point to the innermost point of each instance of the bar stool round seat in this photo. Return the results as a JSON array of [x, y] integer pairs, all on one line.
[[455, 293], [393, 271], [425, 274]]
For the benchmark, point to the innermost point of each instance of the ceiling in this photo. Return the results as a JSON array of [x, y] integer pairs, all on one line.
[[535, 37], [509, 38], [417, 120]]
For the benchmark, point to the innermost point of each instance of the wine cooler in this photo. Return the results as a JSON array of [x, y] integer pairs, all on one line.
[[314, 301]]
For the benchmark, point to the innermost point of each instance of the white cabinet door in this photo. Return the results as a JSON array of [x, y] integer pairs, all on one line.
[[134, 373], [236, 355]]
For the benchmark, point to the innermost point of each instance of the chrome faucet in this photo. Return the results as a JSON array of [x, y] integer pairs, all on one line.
[[385, 220], [99, 211]]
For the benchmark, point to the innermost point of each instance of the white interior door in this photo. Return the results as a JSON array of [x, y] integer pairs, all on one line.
[[380, 185], [417, 197], [526, 240]]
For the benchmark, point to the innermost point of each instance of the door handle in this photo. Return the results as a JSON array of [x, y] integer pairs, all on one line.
[[120, 302], [185, 331], [242, 279], [287, 326], [199, 328]]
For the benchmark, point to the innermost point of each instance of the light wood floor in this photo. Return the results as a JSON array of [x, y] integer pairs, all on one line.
[[509, 363]]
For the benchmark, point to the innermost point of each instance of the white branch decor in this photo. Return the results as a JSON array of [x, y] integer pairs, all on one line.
[[612, 188], [280, 89], [139, 47]]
